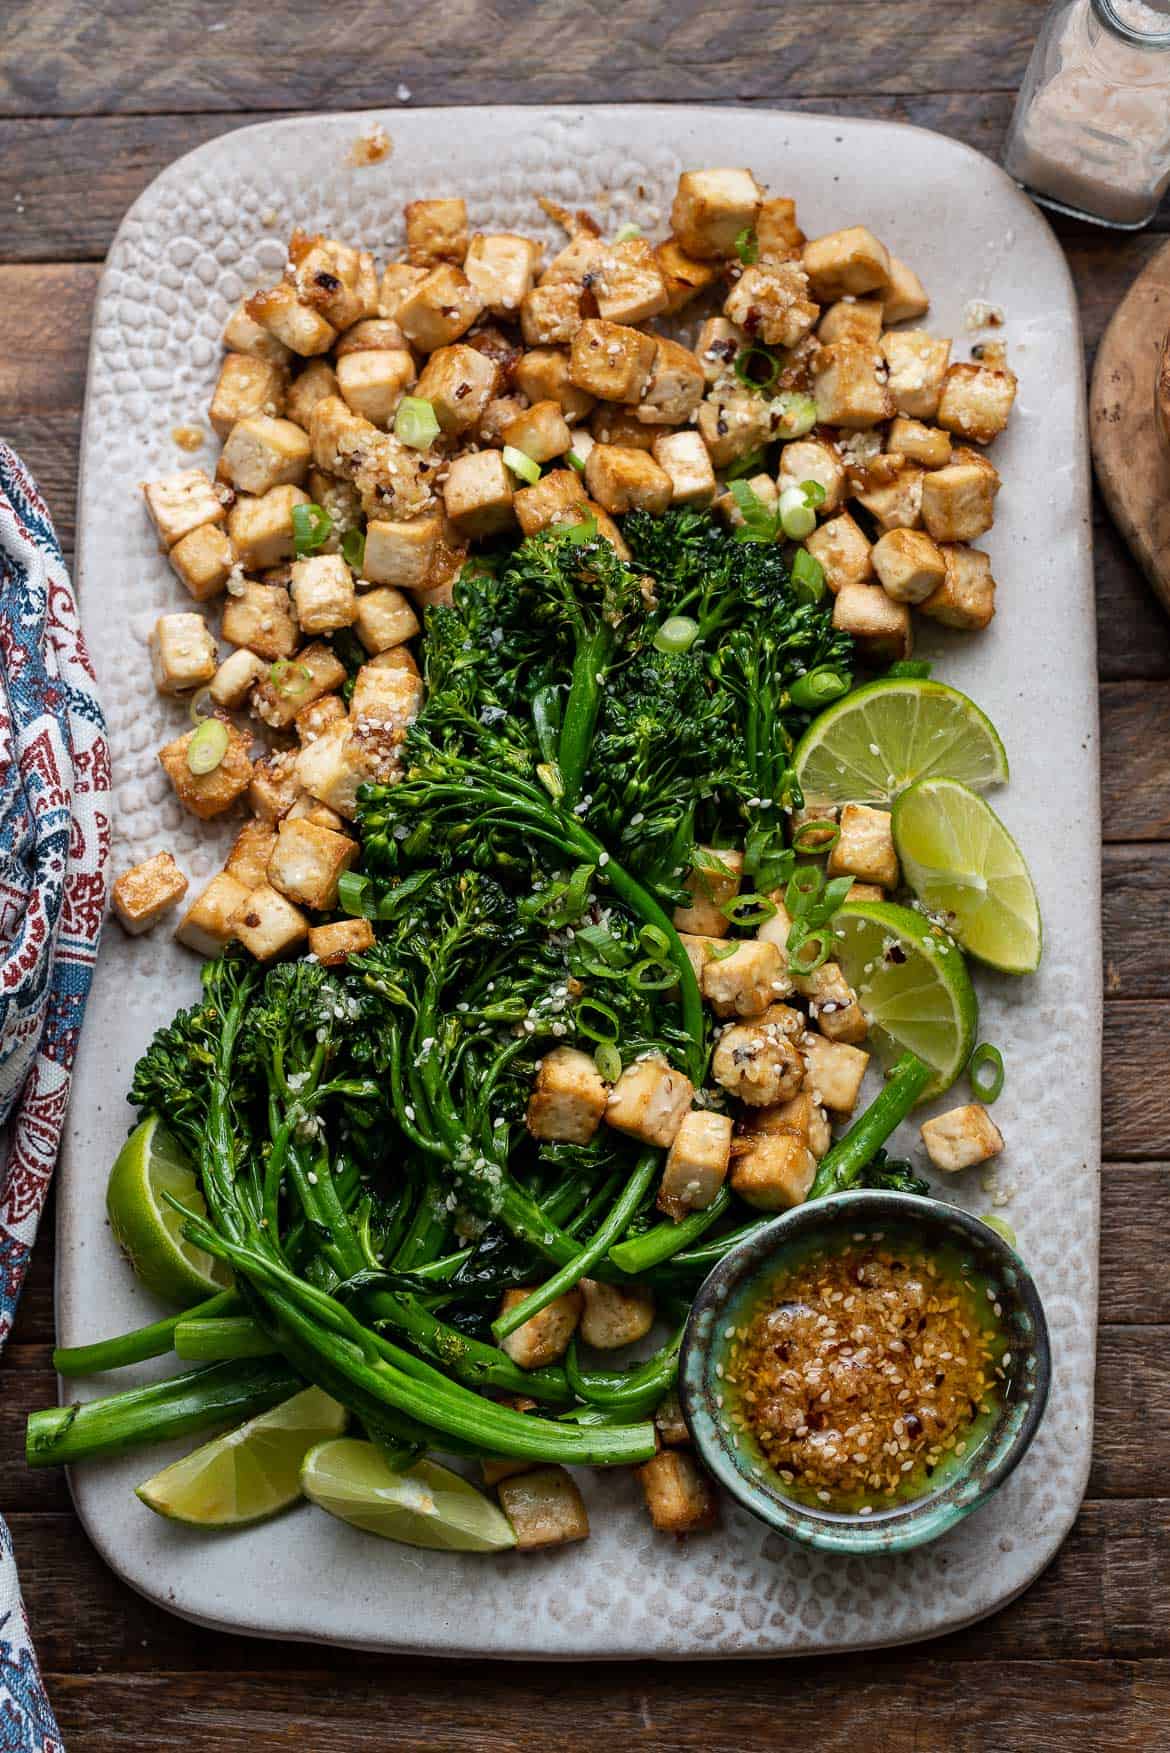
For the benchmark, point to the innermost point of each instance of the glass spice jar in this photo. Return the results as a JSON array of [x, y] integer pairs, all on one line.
[[1090, 135]]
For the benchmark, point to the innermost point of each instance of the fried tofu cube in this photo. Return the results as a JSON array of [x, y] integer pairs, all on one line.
[[772, 1171], [544, 1338], [268, 925], [846, 386], [670, 1423], [609, 424], [843, 262], [909, 565], [401, 553], [615, 1314], [386, 697], [248, 859], [246, 386], [866, 892], [235, 678], [880, 625], [331, 768], [261, 619], [141, 895], [733, 423], [832, 1003], [844, 552], [182, 653], [541, 432], [568, 1099], [958, 501], [685, 459], [976, 401], [813, 459], [835, 1071], [371, 335], [308, 809], [696, 1163], [439, 309], [545, 1509], [312, 385], [333, 278], [676, 386], [747, 981], [904, 299], [802, 1116], [208, 794], [961, 1138], [203, 559], [648, 1101], [771, 302], [711, 208], [916, 363], [719, 342], [551, 315], [384, 618], [273, 788], [777, 233], [712, 881], [478, 494], [966, 597], [499, 412], [333, 944], [853, 319], [544, 374], [307, 861], [182, 502], [926, 445], [628, 285], [323, 595], [291, 687], [607, 529], [765, 491], [621, 480], [243, 335], [578, 261], [812, 841], [680, 1497], [896, 503], [558, 497], [758, 1061], [683, 276], [263, 452], [611, 361], [208, 926], [398, 281], [372, 382], [436, 231], [458, 382], [865, 847], [502, 267], [295, 325]]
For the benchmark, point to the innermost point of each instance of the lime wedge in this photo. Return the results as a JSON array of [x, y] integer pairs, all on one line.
[[963, 865], [249, 1473], [427, 1505], [912, 986], [150, 1231], [881, 738]]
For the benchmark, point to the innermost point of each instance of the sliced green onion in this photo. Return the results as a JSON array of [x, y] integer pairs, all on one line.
[[653, 975], [814, 493], [756, 376], [677, 633], [311, 527], [803, 959], [747, 246], [798, 413], [608, 1061], [655, 942], [797, 517], [580, 533], [208, 746], [826, 833], [748, 910], [521, 464], [808, 576], [202, 705], [1003, 1229], [415, 423], [355, 895], [914, 669], [628, 232], [985, 1072], [575, 462], [819, 688], [804, 885], [751, 464], [290, 679], [353, 550], [760, 522], [597, 1022], [720, 952]]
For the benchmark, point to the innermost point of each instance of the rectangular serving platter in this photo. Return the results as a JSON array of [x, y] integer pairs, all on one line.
[[213, 227]]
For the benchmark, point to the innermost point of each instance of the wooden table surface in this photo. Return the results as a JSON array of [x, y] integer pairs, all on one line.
[[94, 100]]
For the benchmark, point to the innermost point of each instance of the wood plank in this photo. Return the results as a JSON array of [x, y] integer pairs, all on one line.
[[47, 314], [1135, 906], [1135, 1110], [1135, 1222], [1135, 761]]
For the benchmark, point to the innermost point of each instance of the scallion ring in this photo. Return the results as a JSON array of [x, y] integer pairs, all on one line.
[[985, 1072], [814, 494], [202, 705], [521, 464], [756, 376], [655, 941], [748, 910], [290, 679], [354, 895], [797, 517], [811, 951], [311, 527], [653, 974], [597, 1022], [677, 633], [804, 885], [608, 1062], [353, 550], [796, 413], [808, 576], [575, 462], [208, 746], [914, 669], [415, 423]]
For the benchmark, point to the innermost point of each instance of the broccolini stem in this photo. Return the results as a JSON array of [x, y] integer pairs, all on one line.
[[635, 1391], [842, 1165], [198, 1341], [468, 1360], [667, 1239], [127, 1348], [581, 709]]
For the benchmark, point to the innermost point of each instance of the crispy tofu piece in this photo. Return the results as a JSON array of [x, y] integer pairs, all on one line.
[[683, 276], [208, 794], [771, 303], [918, 443], [313, 384], [759, 1061], [235, 678], [436, 231], [544, 1338], [141, 895], [248, 859], [648, 1101], [558, 497], [844, 552], [676, 386], [308, 809], [711, 208], [208, 926], [307, 861], [732, 423], [904, 299], [880, 625], [958, 501], [261, 619], [332, 767], [273, 787], [621, 479], [917, 363], [262, 452], [545, 1509], [478, 494], [499, 413], [966, 597], [719, 342], [373, 381], [203, 560], [371, 335], [696, 1163], [670, 1423], [243, 335], [403, 553], [551, 315], [852, 319], [866, 892], [292, 686], [607, 529], [976, 401], [182, 653], [778, 235], [843, 262], [813, 841], [333, 278], [813, 459], [541, 432], [568, 1099], [801, 1116], [439, 309], [182, 502], [502, 267], [544, 375], [772, 1171], [458, 382], [699, 950], [680, 1497], [747, 981], [712, 881], [832, 1004], [909, 565], [961, 1138], [246, 386], [846, 386], [333, 944], [386, 699], [835, 1070], [685, 459], [579, 260], [896, 503], [609, 424], [611, 361], [323, 596], [294, 324], [615, 1314], [628, 286], [387, 473], [261, 529], [399, 280], [268, 925]]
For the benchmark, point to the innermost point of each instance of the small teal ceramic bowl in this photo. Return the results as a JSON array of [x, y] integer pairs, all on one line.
[[728, 1298]]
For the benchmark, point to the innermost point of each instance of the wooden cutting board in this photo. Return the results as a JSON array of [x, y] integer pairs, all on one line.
[[1129, 420]]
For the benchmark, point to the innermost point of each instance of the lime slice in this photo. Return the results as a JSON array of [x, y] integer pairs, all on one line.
[[248, 1473], [963, 864], [912, 985], [149, 1230], [881, 738], [427, 1505]]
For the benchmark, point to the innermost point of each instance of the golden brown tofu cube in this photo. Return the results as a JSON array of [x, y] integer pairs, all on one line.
[[832, 1003], [568, 1098], [976, 401], [927, 445], [865, 846], [611, 361], [401, 553], [439, 309], [615, 1314], [853, 319], [966, 597], [334, 944], [261, 529], [544, 375], [551, 315], [386, 699], [208, 926], [263, 452], [846, 386], [843, 262], [904, 299], [182, 653], [609, 424], [628, 286], [478, 494], [242, 335], [623, 480], [813, 459], [398, 280], [313, 384], [307, 862], [436, 231], [323, 596], [679, 1496], [772, 1171], [332, 767], [880, 625], [801, 1116], [141, 895], [208, 794], [747, 981], [261, 618], [541, 432], [544, 1338], [371, 335], [758, 1061], [961, 1138], [273, 788], [268, 925], [235, 678], [458, 382], [711, 208], [558, 497], [916, 363], [246, 386], [866, 892], [764, 490], [843, 551], [295, 325], [373, 381], [182, 502], [203, 559], [648, 1101], [309, 809], [909, 565], [958, 501], [685, 459], [777, 233], [712, 881], [670, 1424], [313, 720], [896, 503], [502, 266], [248, 859], [292, 685], [683, 276], [719, 342], [696, 1163], [545, 1509], [676, 386], [835, 1071], [771, 302]]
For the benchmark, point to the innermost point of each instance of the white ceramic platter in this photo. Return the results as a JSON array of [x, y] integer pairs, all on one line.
[[213, 227]]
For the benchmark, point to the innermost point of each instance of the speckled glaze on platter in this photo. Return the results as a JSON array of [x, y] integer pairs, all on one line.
[[214, 226]]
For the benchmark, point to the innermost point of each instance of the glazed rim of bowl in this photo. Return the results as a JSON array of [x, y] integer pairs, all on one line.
[[920, 1519]]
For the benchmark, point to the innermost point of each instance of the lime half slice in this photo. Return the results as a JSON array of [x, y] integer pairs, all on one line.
[[148, 1229], [912, 985], [963, 864], [880, 739], [249, 1473], [427, 1505]]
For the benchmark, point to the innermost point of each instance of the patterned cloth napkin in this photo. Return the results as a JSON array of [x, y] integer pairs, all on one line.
[[54, 845]]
